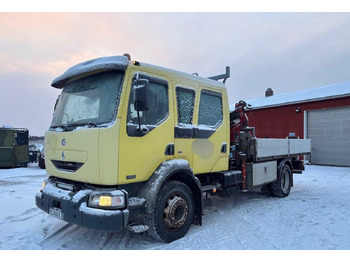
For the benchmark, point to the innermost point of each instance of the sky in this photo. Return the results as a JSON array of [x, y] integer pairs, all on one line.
[[285, 51]]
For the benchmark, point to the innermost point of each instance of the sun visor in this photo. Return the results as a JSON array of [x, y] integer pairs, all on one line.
[[103, 63]]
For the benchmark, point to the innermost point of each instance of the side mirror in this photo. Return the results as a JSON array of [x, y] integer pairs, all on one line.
[[141, 94]]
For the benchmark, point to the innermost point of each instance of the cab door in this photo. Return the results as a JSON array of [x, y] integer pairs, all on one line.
[[141, 151], [211, 135], [184, 128]]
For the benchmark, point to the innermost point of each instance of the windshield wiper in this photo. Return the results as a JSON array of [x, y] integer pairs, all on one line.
[[62, 126], [92, 124], [89, 124], [70, 126]]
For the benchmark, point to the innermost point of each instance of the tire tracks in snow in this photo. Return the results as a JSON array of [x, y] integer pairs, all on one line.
[[28, 214], [125, 240], [246, 226], [117, 241], [105, 241], [242, 226], [59, 237]]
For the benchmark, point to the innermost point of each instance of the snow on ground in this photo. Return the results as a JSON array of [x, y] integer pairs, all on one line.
[[315, 216]]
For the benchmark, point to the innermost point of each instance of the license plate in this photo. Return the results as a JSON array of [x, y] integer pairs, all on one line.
[[56, 212]]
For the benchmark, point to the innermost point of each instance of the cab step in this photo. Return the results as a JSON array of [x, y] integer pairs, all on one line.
[[208, 188], [135, 202], [138, 228]]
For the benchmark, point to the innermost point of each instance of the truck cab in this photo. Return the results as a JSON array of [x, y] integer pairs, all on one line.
[[121, 126]]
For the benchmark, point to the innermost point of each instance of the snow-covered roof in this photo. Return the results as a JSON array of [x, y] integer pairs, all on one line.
[[302, 96], [191, 77], [120, 63], [110, 62]]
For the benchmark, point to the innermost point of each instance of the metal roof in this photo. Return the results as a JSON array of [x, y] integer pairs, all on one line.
[[302, 96]]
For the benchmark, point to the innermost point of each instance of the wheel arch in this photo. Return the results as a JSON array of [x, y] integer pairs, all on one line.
[[178, 170]]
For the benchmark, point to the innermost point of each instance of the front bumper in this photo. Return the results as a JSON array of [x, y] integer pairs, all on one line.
[[74, 209]]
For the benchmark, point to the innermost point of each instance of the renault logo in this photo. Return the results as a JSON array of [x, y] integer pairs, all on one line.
[[63, 142]]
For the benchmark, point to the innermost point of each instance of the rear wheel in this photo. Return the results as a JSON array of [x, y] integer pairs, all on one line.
[[173, 213], [266, 189], [281, 187]]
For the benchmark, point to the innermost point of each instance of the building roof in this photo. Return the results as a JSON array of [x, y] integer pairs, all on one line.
[[302, 96]]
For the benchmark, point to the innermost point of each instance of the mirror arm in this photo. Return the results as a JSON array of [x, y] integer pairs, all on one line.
[[139, 119]]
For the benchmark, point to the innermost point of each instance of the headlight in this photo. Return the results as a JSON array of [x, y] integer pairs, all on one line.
[[109, 200]]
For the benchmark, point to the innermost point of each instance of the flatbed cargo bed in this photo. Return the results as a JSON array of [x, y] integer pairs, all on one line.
[[273, 148]]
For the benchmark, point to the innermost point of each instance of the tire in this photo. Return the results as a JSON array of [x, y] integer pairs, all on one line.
[[266, 189], [281, 187], [173, 213]]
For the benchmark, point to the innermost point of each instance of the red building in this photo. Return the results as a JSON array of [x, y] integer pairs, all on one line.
[[321, 114]]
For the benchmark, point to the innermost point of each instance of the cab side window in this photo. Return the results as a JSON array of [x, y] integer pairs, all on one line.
[[210, 109], [185, 105], [158, 106]]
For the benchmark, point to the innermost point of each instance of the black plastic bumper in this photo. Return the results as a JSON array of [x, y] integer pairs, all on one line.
[[73, 209]]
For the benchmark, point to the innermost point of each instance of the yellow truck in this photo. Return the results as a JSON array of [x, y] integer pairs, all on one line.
[[136, 146]]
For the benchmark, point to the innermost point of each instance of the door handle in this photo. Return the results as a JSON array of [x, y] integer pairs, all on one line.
[[223, 148], [169, 150]]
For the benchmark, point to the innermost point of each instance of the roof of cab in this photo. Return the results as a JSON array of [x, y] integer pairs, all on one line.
[[174, 74], [102, 63], [121, 63]]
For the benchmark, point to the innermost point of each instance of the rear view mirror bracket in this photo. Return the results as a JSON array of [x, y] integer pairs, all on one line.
[[141, 92]]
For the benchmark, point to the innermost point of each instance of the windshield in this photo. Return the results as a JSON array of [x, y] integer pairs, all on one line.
[[92, 100]]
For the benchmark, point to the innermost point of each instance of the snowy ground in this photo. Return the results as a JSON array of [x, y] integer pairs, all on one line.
[[315, 216]]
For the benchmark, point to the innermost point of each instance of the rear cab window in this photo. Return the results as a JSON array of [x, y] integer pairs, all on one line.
[[210, 113]]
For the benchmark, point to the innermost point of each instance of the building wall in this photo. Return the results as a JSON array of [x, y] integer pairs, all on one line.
[[279, 122]]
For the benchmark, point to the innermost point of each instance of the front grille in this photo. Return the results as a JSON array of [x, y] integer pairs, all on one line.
[[67, 166]]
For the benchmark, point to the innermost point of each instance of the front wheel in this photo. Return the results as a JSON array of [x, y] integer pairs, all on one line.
[[281, 187], [173, 213]]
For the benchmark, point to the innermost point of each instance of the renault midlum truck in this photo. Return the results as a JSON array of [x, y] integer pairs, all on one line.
[[136, 146]]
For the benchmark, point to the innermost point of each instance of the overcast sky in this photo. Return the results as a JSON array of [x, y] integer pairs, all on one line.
[[282, 51]]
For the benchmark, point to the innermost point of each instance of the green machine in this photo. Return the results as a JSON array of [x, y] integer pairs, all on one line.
[[14, 149]]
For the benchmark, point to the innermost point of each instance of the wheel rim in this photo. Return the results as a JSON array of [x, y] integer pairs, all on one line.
[[285, 181], [175, 212]]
